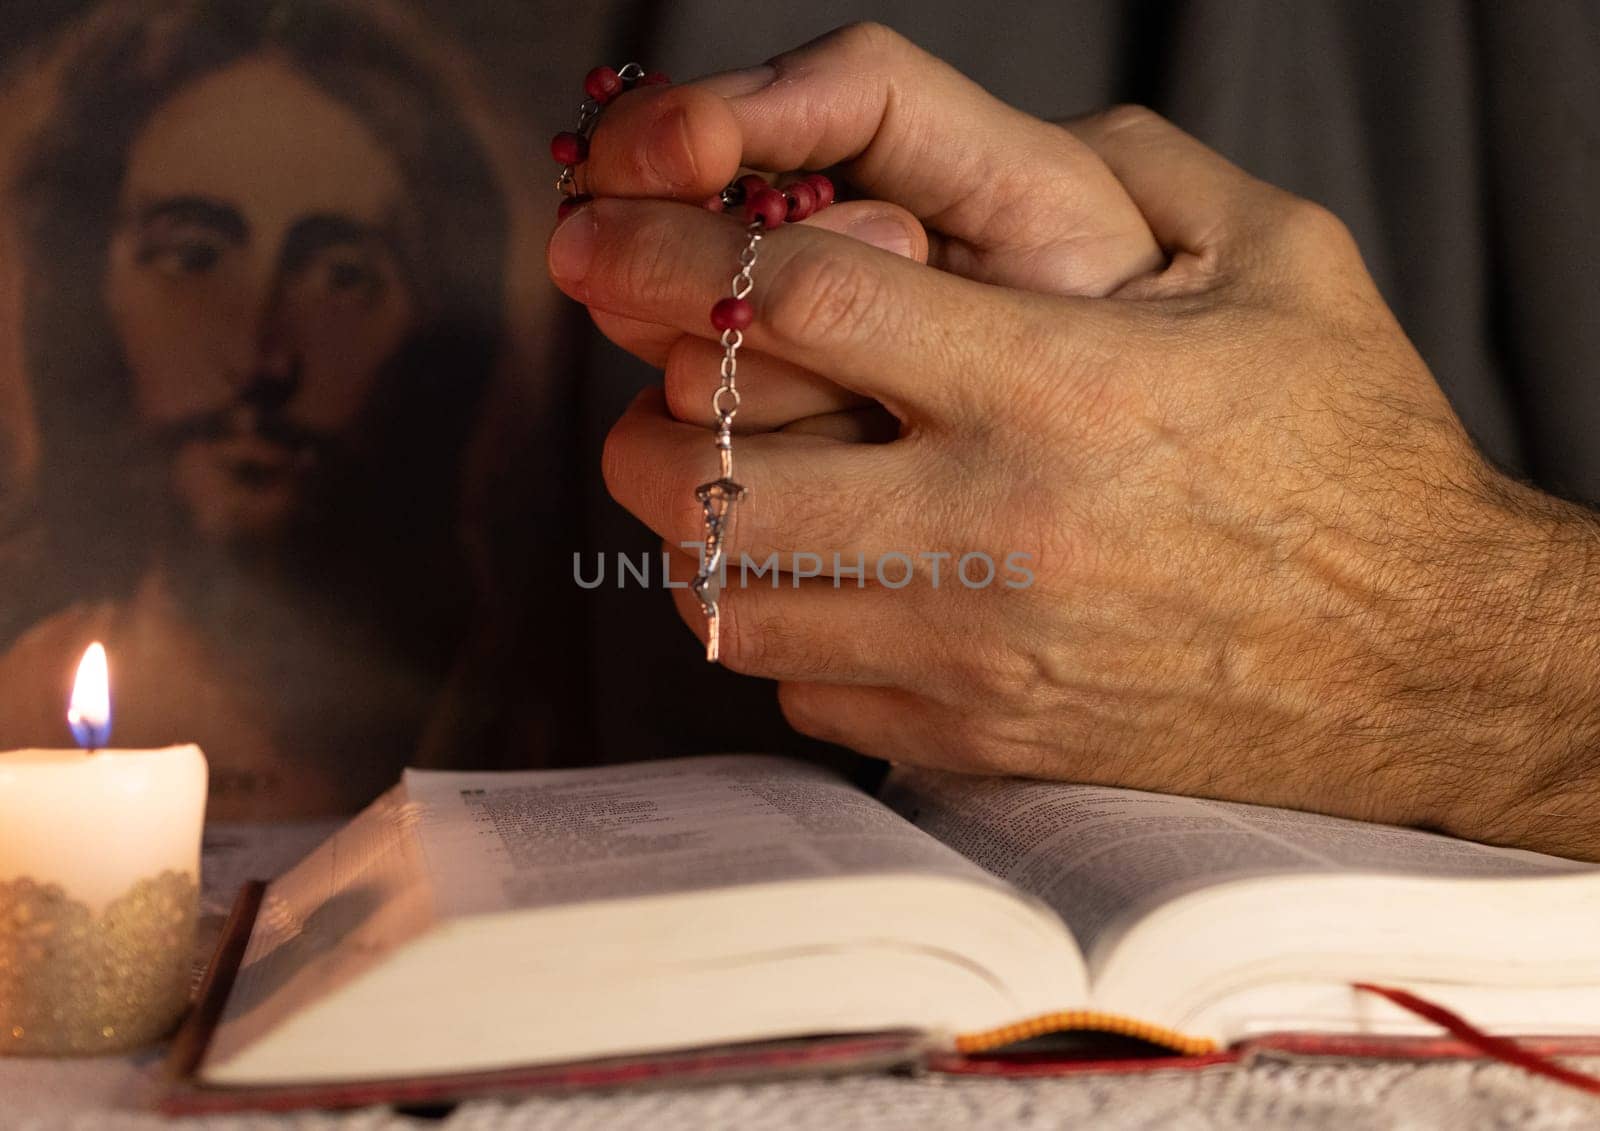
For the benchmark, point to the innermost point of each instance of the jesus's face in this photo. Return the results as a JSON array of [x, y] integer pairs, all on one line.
[[257, 287]]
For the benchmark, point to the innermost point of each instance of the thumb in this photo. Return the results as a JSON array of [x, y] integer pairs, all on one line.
[[885, 226]]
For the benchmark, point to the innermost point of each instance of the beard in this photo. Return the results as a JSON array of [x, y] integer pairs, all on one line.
[[247, 478], [274, 531]]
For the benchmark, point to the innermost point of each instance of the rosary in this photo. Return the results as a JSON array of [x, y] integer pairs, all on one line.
[[764, 208]]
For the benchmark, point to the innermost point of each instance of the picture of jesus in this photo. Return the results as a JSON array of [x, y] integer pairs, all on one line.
[[262, 260]]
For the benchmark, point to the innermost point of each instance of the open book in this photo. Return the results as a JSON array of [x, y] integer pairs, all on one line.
[[467, 922]]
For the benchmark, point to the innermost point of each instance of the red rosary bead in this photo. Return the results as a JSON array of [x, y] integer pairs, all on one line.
[[566, 206], [822, 186], [802, 200], [602, 84], [732, 314], [767, 205], [569, 148]]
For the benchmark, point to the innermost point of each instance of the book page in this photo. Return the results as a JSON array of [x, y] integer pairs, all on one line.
[[496, 841], [1102, 857], [327, 921]]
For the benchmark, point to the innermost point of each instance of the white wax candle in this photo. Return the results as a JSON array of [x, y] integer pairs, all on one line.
[[99, 884], [98, 823]]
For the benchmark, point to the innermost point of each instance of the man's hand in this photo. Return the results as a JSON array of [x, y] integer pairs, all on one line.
[[1266, 562], [952, 176]]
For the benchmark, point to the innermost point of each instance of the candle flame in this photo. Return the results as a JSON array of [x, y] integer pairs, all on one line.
[[89, 712]]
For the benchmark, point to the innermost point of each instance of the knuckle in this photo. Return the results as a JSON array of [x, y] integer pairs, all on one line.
[[823, 295], [1001, 680], [1310, 227], [1307, 255], [1129, 118], [672, 489], [749, 649], [869, 39], [650, 265], [814, 520], [767, 642]]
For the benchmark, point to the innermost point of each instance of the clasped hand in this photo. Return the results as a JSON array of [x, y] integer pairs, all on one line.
[[1264, 560]]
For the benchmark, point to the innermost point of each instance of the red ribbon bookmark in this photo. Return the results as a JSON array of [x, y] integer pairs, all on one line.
[[1499, 1048]]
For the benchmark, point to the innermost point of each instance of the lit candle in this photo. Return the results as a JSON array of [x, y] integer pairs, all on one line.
[[99, 884]]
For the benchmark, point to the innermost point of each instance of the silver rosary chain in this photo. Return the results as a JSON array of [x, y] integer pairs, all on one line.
[[718, 497], [588, 114], [725, 401]]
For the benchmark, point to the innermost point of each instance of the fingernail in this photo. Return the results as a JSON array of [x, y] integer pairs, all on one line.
[[572, 245], [883, 231], [735, 84]]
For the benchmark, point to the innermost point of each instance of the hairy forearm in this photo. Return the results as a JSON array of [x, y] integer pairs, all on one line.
[[1526, 770]]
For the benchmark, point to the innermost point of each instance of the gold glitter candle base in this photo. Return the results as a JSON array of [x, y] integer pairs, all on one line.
[[75, 983]]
